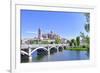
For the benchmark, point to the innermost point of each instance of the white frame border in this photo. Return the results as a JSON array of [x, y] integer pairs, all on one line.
[[16, 66]]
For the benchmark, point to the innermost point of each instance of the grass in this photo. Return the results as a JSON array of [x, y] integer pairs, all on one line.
[[78, 49]]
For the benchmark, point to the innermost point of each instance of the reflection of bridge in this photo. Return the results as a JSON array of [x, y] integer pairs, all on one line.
[[46, 47]]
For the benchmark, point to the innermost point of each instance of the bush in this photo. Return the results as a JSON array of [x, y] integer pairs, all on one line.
[[44, 42], [83, 46]]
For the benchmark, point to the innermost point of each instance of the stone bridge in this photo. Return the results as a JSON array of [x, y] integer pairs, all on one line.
[[46, 47]]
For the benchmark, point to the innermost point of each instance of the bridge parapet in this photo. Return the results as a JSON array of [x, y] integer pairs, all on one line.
[[26, 46]]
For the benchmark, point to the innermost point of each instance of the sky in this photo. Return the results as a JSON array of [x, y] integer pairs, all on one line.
[[66, 24]]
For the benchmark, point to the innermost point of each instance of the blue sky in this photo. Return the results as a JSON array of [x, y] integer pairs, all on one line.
[[66, 24]]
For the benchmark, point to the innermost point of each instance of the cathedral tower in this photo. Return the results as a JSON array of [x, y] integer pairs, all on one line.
[[39, 34]]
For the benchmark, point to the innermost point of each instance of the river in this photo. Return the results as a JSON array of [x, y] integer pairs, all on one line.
[[65, 55]]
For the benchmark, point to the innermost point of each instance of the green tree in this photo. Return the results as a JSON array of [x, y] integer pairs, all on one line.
[[70, 44], [87, 41], [87, 25], [57, 40], [83, 37], [73, 43], [78, 41]]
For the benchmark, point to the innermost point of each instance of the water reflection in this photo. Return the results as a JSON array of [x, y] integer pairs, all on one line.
[[62, 55]]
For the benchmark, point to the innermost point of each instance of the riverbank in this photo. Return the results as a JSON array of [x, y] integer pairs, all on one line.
[[77, 48]]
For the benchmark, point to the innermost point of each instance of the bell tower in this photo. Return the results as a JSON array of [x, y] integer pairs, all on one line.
[[39, 34]]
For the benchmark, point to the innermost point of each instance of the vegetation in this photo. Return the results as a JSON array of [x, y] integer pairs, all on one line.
[[87, 25], [78, 41], [77, 48], [57, 40], [73, 43], [70, 43], [33, 42], [86, 38], [45, 42]]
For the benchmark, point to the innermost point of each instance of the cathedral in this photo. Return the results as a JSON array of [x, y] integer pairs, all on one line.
[[45, 36]]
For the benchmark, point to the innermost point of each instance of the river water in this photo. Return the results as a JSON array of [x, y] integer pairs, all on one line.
[[65, 55]]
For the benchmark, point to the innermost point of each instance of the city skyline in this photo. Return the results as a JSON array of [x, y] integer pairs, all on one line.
[[66, 24]]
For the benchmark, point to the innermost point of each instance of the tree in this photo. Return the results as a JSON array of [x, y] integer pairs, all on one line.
[[73, 43], [57, 40], [87, 25], [87, 41], [70, 44], [82, 35], [85, 38], [78, 41]]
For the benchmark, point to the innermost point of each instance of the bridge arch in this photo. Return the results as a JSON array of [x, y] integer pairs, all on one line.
[[39, 48], [23, 52], [52, 47], [61, 47]]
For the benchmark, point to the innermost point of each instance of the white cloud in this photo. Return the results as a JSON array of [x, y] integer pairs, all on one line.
[[31, 32]]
